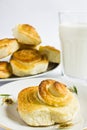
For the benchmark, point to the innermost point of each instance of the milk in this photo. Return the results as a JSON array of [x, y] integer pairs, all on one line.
[[74, 49]]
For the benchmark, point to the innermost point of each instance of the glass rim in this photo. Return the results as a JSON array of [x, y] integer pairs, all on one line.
[[72, 12]]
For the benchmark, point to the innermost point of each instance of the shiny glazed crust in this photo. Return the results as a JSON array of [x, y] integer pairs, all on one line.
[[26, 34], [27, 55], [28, 62], [36, 110], [8, 46], [54, 93]]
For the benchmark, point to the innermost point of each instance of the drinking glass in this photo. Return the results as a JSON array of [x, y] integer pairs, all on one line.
[[73, 38]]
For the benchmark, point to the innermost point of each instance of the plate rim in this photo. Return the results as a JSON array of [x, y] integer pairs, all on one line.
[[29, 77]]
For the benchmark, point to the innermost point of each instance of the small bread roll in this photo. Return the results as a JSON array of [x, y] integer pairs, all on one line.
[[5, 70], [52, 53], [8, 46], [26, 34], [28, 62], [49, 103]]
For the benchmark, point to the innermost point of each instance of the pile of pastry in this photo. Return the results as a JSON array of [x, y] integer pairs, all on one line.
[[27, 57]]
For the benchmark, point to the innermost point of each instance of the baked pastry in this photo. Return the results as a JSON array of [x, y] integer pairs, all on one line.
[[26, 34], [49, 103], [8, 46], [52, 53], [28, 62], [5, 69]]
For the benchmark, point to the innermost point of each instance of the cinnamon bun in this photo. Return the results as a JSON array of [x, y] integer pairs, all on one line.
[[46, 104], [28, 62]]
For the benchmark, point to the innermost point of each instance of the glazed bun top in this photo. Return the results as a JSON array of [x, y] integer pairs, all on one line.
[[27, 55], [26, 34], [54, 93]]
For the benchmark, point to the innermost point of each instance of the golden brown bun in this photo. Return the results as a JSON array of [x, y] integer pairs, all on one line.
[[26, 34], [54, 93], [49, 103], [8, 46], [5, 70], [52, 53], [28, 62]]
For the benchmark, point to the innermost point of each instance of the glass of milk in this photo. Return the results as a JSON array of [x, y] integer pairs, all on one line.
[[73, 38]]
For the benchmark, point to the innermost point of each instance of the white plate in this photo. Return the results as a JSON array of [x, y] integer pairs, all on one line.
[[51, 67], [9, 117]]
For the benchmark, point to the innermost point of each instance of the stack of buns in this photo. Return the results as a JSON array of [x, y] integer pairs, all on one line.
[[48, 103], [27, 56]]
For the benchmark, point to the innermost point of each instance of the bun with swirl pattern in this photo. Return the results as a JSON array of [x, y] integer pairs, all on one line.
[[28, 62], [48, 103], [54, 93]]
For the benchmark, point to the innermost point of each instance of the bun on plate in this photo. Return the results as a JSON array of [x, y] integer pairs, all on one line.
[[46, 104], [28, 62], [26, 34], [5, 70], [52, 53], [8, 46]]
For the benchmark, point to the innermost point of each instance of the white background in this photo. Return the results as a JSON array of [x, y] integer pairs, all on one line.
[[42, 14]]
